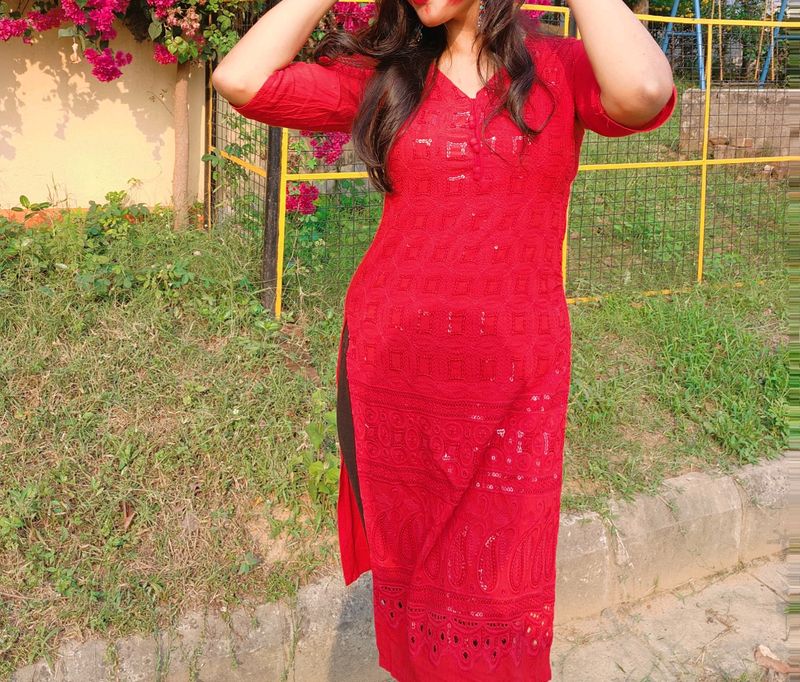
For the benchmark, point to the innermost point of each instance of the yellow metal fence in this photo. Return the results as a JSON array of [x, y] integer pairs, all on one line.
[[633, 220]]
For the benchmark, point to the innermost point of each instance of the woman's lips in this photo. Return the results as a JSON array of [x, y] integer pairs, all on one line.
[[420, 2]]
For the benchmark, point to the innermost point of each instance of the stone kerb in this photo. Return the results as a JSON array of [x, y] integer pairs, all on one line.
[[697, 524]]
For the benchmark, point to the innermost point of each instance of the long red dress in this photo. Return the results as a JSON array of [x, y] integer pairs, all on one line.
[[458, 363]]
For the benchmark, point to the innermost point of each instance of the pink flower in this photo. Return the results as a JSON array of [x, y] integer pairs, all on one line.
[[106, 63], [73, 12], [12, 28], [162, 7], [53, 18], [162, 55], [353, 16], [189, 23], [327, 146], [96, 15], [536, 14], [304, 201], [101, 20]]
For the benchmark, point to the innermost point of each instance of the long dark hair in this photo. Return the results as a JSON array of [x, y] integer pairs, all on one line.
[[401, 65]]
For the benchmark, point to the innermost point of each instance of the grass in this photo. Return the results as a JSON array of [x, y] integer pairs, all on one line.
[[639, 228], [153, 439], [665, 385], [165, 443]]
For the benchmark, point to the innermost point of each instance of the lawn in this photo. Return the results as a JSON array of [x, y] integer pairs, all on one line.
[[165, 443]]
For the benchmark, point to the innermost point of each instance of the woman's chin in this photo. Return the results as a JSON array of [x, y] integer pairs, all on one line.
[[430, 12], [430, 19]]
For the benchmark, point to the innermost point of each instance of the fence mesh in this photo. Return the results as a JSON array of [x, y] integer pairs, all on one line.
[[702, 197], [237, 155]]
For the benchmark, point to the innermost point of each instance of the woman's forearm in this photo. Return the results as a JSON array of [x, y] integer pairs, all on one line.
[[634, 74], [270, 44]]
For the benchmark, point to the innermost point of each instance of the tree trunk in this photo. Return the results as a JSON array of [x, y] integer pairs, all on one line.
[[641, 7], [180, 172]]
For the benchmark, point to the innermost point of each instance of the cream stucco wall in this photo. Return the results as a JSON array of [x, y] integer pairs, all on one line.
[[68, 138]]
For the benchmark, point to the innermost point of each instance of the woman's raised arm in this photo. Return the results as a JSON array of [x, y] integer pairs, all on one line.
[[626, 61], [262, 82], [270, 44]]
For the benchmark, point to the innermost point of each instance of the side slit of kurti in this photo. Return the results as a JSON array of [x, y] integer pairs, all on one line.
[[344, 423], [353, 544]]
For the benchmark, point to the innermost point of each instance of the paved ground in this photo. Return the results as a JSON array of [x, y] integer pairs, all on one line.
[[705, 631], [702, 632]]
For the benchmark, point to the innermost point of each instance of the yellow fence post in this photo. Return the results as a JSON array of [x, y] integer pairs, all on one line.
[[566, 220], [281, 221], [704, 165], [209, 145]]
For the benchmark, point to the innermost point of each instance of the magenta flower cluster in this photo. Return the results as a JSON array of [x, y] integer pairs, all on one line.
[[161, 7], [162, 55], [96, 16], [303, 200], [352, 16], [37, 21], [105, 64], [52, 18], [326, 146], [94, 20], [14, 28], [535, 14]]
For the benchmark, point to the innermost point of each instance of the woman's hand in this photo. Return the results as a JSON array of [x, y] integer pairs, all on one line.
[[270, 44], [634, 74]]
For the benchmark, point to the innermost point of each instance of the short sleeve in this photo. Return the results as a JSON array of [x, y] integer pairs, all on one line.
[[321, 96], [588, 105]]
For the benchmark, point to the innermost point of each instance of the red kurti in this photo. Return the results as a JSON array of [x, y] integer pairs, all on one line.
[[458, 363]]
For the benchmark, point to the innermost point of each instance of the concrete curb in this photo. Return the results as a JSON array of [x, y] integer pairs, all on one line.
[[697, 525]]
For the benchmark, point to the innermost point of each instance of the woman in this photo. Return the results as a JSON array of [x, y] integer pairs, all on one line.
[[454, 356]]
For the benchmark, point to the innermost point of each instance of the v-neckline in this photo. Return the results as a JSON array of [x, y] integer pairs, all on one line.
[[459, 90]]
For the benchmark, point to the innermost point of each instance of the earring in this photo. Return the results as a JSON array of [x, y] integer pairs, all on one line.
[[481, 7], [418, 34]]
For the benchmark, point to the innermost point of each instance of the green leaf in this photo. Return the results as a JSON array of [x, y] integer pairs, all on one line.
[[316, 469], [332, 477], [248, 563], [315, 434], [154, 30]]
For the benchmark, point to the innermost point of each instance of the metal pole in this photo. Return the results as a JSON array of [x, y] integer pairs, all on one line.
[[698, 30], [770, 50], [668, 29], [272, 208], [701, 242]]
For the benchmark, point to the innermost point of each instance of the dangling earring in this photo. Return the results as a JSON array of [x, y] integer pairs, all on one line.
[[417, 34], [481, 7]]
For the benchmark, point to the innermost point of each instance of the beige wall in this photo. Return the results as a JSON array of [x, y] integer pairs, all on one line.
[[742, 122], [66, 137]]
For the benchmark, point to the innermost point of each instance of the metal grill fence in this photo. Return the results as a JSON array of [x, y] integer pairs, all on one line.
[[703, 197]]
